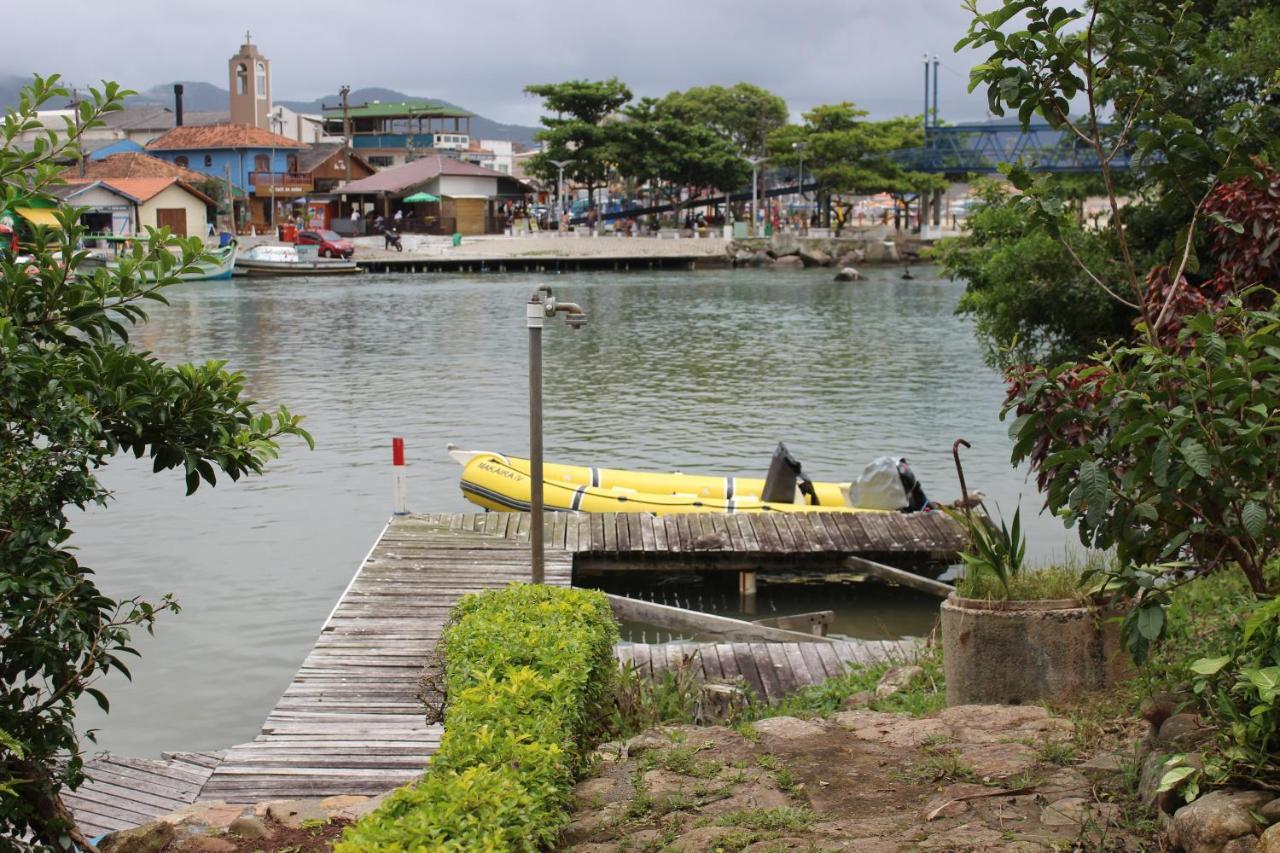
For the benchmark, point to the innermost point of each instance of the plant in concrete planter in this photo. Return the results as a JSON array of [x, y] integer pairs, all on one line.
[[1012, 635]]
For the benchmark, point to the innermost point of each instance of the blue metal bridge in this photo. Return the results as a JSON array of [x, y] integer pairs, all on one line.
[[982, 146]]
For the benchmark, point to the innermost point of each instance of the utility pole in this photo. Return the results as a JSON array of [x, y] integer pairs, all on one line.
[[277, 124], [231, 199], [926, 91], [560, 164], [345, 91], [755, 163], [935, 90]]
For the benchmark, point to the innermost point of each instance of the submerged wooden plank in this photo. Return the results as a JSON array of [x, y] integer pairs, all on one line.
[[704, 624]]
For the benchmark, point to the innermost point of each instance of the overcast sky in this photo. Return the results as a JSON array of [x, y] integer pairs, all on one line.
[[481, 54]]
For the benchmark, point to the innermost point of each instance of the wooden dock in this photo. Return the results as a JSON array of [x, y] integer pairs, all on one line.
[[350, 722], [125, 792], [755, 541]]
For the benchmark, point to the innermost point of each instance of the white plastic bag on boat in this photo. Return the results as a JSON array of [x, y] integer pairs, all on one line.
[[878, 486]]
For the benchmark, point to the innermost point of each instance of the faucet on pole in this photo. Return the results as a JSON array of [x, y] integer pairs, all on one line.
[[541, 305]]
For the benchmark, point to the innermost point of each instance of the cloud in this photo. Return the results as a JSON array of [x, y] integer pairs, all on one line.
[[481, 55]]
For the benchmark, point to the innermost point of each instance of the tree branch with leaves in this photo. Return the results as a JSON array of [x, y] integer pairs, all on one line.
[[76, 392]]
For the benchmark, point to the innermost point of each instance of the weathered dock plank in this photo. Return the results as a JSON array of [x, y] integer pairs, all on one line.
[[124, 792], [731, 540]]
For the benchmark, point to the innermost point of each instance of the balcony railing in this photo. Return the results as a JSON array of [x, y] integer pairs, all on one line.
[[281, 183]]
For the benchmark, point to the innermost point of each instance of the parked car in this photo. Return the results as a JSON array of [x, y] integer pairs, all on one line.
[[331, 244]]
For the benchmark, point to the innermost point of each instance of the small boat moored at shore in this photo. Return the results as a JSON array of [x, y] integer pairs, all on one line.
[[219, 265], [496, 481], [269, 260]]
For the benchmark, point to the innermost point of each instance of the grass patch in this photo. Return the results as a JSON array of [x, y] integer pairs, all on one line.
[[940, 766], [783, 818], [1043, 584], [641, 805], [640, 703], [1061, 753], [684, 760], [788, 784]]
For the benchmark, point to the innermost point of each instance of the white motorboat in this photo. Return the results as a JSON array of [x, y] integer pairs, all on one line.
[[268, 260]]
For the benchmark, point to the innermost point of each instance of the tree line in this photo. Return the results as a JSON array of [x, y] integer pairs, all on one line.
[[684, 145]]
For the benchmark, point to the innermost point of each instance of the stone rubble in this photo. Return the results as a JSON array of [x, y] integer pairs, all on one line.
[[968, 778], [212, 826]]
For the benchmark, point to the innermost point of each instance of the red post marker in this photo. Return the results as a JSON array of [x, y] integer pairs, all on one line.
[[397, 477]]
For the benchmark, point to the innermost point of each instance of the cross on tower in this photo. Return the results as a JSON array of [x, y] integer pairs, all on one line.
[[248, 39]]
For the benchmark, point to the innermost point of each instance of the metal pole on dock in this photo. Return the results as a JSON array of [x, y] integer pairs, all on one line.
[[397, 477], [541, 305], [535, 315]]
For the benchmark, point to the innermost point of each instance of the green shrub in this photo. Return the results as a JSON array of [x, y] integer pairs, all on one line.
[[1238, 691], [528, 671]]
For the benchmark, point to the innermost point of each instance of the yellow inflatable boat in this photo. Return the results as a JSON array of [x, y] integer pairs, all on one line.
[[496, 481]]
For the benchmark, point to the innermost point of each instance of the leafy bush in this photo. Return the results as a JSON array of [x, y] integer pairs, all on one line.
[[1155, 450], [528, 674], [1237, 689]]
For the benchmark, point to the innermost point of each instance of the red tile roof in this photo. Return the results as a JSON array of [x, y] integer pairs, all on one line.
[[132, 165], [142, 189], [415, 173], [189, 137]]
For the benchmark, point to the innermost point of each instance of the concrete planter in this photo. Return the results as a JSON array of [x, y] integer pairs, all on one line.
[[1016, 652]]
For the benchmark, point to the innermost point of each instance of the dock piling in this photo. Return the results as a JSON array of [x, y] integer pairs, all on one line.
[[747, 591]]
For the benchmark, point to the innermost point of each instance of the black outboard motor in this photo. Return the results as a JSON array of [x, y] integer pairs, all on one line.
[[916, 500], [784, 477]]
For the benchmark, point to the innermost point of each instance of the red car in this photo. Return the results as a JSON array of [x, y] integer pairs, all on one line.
[[331, 243]]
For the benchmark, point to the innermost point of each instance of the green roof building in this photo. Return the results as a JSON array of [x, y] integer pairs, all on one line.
[[391, 133]]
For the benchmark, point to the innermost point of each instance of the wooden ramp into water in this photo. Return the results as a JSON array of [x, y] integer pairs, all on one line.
[[770, 670], [350, 722], [125, 792]]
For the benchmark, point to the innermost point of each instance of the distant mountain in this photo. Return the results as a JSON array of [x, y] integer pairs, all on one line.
[[10, 87], [206, 97], [196, 96], [481, 127]]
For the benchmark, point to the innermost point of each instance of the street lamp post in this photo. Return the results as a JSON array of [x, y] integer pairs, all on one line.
[[541, 305], [560, 164], [755, 162], [277, 124], [799, 149]]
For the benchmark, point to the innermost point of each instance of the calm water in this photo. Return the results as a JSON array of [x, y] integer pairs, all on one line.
[[691, 371]]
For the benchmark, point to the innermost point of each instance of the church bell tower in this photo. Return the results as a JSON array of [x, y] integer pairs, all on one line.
[[250, 79]]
